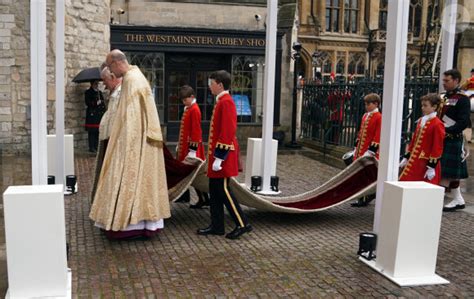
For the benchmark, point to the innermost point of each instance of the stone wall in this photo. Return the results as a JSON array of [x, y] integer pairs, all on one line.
[[86, 44], [197, 15]]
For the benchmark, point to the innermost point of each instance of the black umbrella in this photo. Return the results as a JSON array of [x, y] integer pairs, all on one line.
[[87, 75]]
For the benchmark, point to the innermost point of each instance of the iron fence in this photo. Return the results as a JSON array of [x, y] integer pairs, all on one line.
[[331, 113]]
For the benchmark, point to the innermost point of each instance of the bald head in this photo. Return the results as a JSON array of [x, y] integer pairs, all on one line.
[[117, 55], [117, 63]]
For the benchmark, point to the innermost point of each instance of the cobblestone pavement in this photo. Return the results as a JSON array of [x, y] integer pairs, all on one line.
[[289, 256]]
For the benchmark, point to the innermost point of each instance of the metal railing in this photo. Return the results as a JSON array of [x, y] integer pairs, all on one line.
[[331, 113]]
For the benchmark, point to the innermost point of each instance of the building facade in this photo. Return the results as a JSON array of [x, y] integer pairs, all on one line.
[[173, 42], [346, 38], [182, 42], [86, 44]]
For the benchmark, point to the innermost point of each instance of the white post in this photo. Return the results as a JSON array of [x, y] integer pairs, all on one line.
[[449, 31], [37, 264], [268, 93], [60, 92], [38, 92], [393, 87]]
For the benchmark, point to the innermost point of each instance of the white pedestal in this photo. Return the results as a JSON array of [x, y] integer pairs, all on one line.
[[408, 235], [253, 164], [36, 241], [68, 155]]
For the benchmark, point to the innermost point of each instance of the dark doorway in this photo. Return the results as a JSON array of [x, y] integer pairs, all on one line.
[[193, 70]]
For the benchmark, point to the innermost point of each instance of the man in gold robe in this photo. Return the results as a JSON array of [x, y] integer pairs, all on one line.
[[114, 86], [131, 199]]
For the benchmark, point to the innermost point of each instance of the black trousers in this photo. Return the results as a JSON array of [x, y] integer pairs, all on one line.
[[220, 196], [93, 137]]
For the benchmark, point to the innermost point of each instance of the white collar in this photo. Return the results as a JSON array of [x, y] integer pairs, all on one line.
[[192, 103], [373, 111], [221, 94], [426, 118]]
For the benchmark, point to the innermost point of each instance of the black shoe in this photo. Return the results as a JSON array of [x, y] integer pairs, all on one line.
[[238, 231], [359, 203], [199, 205], [210, 231], [452, 209]]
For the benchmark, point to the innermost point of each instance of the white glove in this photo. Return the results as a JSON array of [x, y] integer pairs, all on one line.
[[368, 154], [430, 173], [216, 166], [176, 149], [191, 154], [404, 162]]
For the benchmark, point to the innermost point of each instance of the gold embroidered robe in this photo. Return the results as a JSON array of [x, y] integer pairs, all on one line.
[[132, 182]]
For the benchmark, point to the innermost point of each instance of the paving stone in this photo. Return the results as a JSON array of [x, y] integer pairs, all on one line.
[[289, 256]]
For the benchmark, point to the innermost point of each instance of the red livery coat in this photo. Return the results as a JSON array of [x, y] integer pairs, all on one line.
[[426, 147], [369, 134], [222, 135], [190, 133], [469, 84]]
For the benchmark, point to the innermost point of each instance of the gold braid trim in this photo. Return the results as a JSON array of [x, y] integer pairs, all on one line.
[[223, 146]]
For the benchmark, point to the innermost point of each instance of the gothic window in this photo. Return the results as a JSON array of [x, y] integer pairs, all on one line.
[[351, 13], [327, 64], [351, 67], [341, 65], [414, 21], [333, 10], [383, 9], [356, 64], [380, 69], [411, 70], [414, 70], [360, 69], [152, 66], [247, 87]]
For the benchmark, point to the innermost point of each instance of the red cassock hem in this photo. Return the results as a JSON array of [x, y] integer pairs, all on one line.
[[130, 234]]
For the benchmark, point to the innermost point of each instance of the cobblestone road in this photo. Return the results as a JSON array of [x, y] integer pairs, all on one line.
[[291, 256]]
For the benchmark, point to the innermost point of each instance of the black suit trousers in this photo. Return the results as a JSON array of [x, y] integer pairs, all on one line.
[[220, 195]]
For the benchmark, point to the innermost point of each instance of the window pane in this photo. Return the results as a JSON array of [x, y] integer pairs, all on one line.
[[347, 27], [152, 67], [414, 70], [355, 4], [203, 96], [247, 87], [175, 107], [354, 22], [340, 67], [417, 29], [351, 67], [361, 68], [327, 67], [335, 23], [328, 19]]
